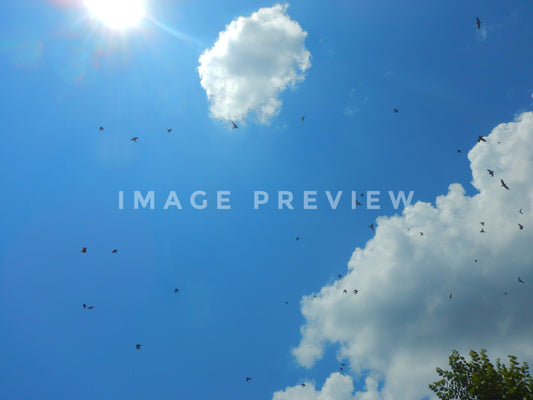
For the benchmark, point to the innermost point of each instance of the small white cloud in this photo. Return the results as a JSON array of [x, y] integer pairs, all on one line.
[[350, 110], [252, 62], [402, 323]]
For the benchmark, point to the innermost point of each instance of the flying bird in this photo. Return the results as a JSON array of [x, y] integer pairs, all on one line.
[[176, 290], [421, 233], [339, 276], [521, 226], [90, 307], [475, 260], [482, 223], [115, 251], [395, 110], [303, 117], [297, 237], [134, 139], [345, 291], [371, 226], [343, 364], [520, 211], [482, 230], [478, 23], [505, 293], [138, 346], [286, 302], [101, 128], [520, 280], [303, 384], [504, 185], [83, 250], [491, 172], [234, 125], [169, 130], [481, 139], [450, 296], [248, 379], [84, 305], [458, 150], [357, 203], [355, 291]]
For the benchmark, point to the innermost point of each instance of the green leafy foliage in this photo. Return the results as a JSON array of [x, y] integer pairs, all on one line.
[[479, 379]]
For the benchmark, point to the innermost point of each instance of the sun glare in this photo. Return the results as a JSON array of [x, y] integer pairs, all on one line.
[[117, 14]]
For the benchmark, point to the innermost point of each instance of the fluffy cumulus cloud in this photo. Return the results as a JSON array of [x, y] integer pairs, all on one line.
[[402, 323], [254, 59], [336, 387]]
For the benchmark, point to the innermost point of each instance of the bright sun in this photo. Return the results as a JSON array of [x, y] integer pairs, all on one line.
[[117, 14]]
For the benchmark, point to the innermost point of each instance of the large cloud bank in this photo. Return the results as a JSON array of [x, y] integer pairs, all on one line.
[[254, 59], [402, 323]]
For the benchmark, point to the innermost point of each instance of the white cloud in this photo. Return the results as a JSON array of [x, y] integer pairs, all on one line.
[[253, 61], [336, 387], [402, 323]]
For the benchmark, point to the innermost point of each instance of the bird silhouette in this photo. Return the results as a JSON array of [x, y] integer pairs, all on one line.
[[505, 293], [482, 230], [248, 379], [450, 296], [357, 203], [478, 23], [83, 250], [520, 280], [90, 307], [84, 305], [134, 139], [115, 251], [504, 185], [169, 130], [303, 384], [355, 291], [475, 260], [339, 276], [520, 211], [138, 346], [345, 291], [491, 172], [371, 226], [297, 237], [458, 150], [286, 302], [520, 226], [481, 139], [303, 117], [234, 125], [421, 233], [343, 364], [176, 290], [395, 110], [101, 128], [482, 223]]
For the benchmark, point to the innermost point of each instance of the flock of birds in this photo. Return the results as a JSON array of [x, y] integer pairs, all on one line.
[[114, 251], [371, 226]]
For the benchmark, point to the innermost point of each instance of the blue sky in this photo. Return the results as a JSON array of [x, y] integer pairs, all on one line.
[[65, 74]]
